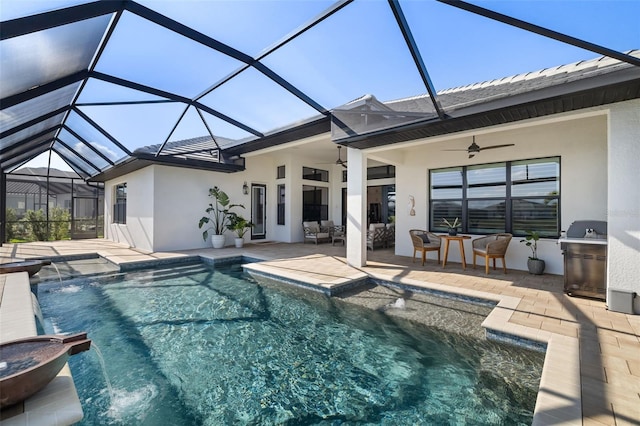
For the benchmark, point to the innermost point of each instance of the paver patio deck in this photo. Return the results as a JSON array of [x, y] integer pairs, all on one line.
[[607, 355]]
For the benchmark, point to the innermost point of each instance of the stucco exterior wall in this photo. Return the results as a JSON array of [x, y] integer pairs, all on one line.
[[181, 197], [623, 260], [581, 144], [139, 230], [598, 151]]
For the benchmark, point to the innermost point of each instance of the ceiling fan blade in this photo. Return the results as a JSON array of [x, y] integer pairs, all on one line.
[[455, 150], [496, 146]]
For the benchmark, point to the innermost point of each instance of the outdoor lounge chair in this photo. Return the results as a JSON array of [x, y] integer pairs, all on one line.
[[336, 232], [313, 232], [424, 241], [491, 247]]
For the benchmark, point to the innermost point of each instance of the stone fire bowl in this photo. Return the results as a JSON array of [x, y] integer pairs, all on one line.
[[28, 365], [31, 266]]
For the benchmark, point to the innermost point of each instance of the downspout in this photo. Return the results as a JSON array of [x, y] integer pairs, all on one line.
[[47, 198]]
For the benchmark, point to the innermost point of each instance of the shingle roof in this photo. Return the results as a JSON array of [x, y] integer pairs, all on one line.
[[202, 148], [464, 96], [559, 89]]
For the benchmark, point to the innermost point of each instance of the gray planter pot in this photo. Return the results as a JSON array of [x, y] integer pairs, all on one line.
[[536, 266]]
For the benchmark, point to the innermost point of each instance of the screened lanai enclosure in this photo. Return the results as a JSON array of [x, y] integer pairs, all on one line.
[[114, 86], [47, 204]]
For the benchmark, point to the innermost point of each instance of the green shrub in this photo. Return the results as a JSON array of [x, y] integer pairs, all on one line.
[[10, 231], [59, 223], [36, 222]]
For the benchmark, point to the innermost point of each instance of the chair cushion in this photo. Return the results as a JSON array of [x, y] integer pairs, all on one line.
[[424, 238]]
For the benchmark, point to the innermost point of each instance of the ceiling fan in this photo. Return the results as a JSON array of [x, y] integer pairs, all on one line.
[[474, 148], [340, 161]]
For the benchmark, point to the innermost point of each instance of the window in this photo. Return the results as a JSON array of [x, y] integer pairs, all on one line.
[[381, 172], [120, 205], [280, 172], [514, 197], [315, 174], [281, 204], [315, 203]]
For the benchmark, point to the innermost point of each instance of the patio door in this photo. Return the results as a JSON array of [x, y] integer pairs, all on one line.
[[84, 223], [259, 211]]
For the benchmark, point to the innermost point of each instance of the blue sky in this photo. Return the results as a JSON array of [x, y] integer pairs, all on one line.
[[357, 51]]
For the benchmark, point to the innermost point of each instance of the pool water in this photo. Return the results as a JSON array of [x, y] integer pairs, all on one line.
[[194, 344]]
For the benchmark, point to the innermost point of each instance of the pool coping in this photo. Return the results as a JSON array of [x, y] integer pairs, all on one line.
[[559, 399]]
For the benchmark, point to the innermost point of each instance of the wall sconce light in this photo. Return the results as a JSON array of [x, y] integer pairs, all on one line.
[[245, 189]]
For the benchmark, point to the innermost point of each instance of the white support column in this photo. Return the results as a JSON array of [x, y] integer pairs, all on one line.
[[356, 208], [623, 210]]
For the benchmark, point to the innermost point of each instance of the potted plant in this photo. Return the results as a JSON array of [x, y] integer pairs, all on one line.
[[535, 265], [240, 226], [217, 217], [453, 226]]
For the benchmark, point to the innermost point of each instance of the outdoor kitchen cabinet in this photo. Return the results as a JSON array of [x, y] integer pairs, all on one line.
[[585, 259], [585, 269]]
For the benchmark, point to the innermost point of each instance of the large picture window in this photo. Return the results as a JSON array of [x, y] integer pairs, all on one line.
[[120, 204], [513, 196]]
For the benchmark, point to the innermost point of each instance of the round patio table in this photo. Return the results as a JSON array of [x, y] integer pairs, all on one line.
[[460, 239]]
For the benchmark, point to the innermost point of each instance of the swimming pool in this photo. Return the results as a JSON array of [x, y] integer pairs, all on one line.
[[193, 344]]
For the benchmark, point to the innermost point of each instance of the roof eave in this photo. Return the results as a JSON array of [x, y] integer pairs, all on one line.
[[570, 96], [309, 129], [142, 160]]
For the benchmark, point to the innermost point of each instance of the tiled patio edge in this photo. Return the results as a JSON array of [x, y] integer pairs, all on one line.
[[559, 400], [258, 271]]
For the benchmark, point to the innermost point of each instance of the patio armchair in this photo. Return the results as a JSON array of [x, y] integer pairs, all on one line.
[[491, 247], [336, 232], [313, 232], [376, 236], [424, 241]]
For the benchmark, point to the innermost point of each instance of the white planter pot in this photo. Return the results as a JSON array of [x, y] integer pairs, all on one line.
[[217, 241], [239, 242]]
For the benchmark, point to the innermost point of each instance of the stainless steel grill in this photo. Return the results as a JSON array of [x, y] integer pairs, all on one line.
[[585, 259]]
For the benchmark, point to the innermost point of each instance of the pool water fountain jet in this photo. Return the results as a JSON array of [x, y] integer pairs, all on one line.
[[57, 271], [123, 403], [36, 309], [104, 370], [399, 303]]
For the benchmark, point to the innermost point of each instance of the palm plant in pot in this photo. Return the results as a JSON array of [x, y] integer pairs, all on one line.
[[240, 226], [217, 217], [453, 226], [535, 265]]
